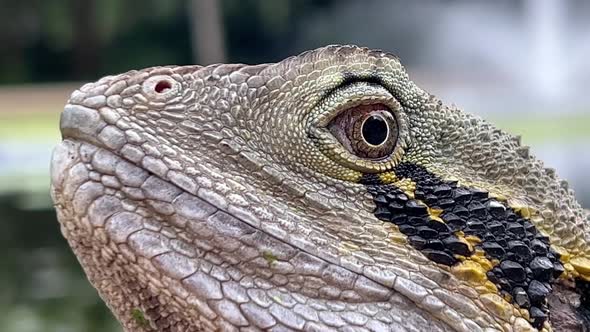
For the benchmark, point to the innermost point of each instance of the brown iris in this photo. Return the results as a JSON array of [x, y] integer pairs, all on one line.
[[368, 131]]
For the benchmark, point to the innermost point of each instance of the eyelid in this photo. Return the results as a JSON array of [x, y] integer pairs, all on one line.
[[355, 94], [361, 93]]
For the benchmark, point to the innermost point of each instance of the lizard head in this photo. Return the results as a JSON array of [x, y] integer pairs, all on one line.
[[323, 191]]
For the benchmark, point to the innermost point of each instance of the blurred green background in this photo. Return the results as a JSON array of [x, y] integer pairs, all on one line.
[[522, 64]]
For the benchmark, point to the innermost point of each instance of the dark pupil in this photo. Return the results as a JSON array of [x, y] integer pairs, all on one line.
[[375, 130]]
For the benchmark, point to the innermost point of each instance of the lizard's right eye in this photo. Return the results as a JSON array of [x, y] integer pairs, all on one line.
[[360, 126], [368, 131]]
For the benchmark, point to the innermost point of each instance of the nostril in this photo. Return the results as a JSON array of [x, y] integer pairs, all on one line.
[[162, 86]]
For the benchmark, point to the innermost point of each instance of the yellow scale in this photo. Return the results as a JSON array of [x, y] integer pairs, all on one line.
[[474, 269], [576, 266]]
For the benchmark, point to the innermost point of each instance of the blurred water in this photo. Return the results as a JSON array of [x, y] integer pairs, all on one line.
[[572, 162], [495, 56], [25, 158]]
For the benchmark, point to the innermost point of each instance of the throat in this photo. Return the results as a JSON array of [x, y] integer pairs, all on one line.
[[481, 238]]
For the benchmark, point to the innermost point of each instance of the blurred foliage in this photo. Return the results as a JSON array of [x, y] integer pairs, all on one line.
[[64, 40], [562, 128], [41, 285]]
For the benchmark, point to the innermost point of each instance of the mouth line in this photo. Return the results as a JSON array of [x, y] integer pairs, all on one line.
[[234, 214], [80, 130], [229, 226]]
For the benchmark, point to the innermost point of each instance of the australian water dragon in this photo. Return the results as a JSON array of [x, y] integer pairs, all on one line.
[[324, 192]]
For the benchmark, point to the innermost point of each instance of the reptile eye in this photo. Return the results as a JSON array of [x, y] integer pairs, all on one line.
[[361, 127], [368, 131]]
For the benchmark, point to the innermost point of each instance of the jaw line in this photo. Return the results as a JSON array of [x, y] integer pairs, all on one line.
[[78, 128], [74, 142]]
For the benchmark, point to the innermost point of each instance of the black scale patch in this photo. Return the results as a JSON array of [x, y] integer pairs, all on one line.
[[527, 264], [583, 311]]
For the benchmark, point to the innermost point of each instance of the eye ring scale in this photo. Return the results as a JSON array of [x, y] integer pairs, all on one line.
[[336, 125]]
